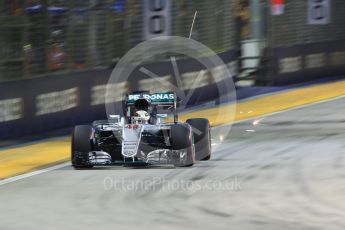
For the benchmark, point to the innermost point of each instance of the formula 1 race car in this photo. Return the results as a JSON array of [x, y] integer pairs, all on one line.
[[142, 137]]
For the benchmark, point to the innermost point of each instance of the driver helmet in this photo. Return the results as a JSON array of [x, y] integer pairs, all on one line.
[[141, 117]]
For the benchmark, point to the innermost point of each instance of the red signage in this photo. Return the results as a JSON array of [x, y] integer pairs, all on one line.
[[278, 2], [277, 7]]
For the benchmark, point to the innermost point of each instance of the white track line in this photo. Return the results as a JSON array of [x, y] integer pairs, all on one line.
[[27, 175], [34, 173], [284, 110]]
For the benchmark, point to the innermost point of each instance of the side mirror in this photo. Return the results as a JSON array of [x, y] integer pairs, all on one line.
[[114, 118], [162, 115]]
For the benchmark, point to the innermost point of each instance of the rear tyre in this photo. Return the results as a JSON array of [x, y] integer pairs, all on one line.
[[182, 139], [202, 138], [81, 146]]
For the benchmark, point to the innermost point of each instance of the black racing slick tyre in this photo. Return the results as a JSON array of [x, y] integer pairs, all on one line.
[[81, 146], [202, 138], [182, 139]]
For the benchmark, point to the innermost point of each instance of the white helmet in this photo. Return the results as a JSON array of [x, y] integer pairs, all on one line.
[[141, 117]]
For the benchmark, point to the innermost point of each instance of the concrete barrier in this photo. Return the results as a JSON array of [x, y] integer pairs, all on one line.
[[38, 105]]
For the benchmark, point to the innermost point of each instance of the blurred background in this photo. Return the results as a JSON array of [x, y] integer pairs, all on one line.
[[57, 55], [40, 37], [284, 61]]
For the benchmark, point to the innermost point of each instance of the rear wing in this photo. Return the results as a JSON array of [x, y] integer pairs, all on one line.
[[163, 99], [167, 100]]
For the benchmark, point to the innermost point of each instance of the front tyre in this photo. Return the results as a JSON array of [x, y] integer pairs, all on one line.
[[202, 138], [182, 140], [81, 146]]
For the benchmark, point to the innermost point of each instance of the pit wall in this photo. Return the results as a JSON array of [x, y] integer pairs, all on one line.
[[306, 62], [39, 105]]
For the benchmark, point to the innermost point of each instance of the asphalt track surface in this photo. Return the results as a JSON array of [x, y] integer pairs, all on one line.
[[287, 172]]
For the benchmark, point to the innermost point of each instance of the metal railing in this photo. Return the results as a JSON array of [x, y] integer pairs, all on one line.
[[45, 36], [292, 28]]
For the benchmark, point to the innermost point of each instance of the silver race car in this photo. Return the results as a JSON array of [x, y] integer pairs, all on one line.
[[142, 136]]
